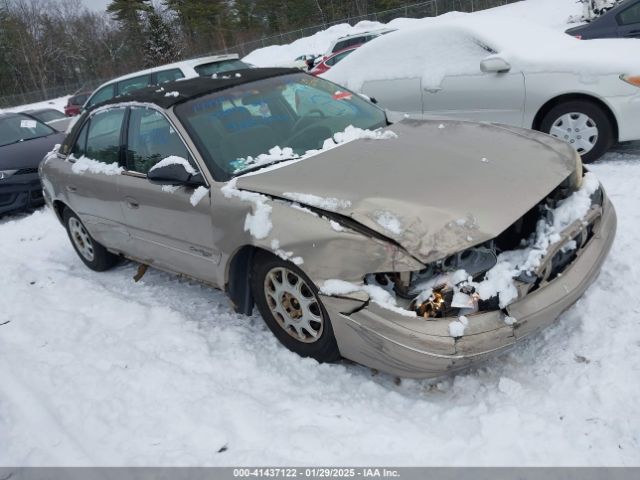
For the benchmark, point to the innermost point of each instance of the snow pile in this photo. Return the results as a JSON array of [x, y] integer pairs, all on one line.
[[319, 43], [329, 203], [197, 195], [174, 160], [85, 164], [258, 223], [285, 255], [172, 94], [376, 293], [281, 155]]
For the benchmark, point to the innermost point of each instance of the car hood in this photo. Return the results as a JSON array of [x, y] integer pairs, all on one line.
[[29, 153], [437, 189]]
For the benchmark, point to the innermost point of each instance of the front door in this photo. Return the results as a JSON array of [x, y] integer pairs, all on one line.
[[170, 226]]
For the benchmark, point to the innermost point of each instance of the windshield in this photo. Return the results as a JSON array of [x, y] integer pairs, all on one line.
[[18, 128], [209, 69], [297, 110]]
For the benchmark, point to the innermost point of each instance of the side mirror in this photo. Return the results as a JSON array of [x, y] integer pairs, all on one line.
[[175, 174], [494, 65]]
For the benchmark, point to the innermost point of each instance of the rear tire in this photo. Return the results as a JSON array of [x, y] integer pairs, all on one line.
[[583, 124], [92, 254], [291, 307]]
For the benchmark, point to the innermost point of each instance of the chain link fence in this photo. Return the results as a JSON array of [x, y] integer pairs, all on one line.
[[430, 8]]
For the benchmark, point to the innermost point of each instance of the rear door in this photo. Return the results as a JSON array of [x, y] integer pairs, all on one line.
[[92, 193], [170, 227], [629, 21]]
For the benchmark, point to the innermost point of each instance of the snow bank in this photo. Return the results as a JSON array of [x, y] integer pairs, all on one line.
[[85, 164]]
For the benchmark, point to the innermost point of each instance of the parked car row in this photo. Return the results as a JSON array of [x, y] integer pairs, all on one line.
[[350, 237]]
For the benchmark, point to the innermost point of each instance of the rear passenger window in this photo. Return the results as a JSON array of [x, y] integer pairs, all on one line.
[[131, 84], [103, 139], [151, 139], [168, 76]]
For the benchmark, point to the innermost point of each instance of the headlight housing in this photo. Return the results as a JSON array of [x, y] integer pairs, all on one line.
[[631, 79], [578, 174], [6, 173]]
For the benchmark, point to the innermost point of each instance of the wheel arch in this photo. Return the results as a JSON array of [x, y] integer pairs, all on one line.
[[546, 108], [238, 275], [59, 207]]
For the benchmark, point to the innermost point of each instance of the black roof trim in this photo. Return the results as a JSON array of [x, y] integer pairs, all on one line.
[[195, 87]]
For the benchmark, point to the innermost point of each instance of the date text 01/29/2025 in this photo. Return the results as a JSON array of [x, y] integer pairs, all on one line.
[[315, 472]]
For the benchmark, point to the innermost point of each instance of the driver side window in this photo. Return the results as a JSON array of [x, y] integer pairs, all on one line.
[[151, 139]]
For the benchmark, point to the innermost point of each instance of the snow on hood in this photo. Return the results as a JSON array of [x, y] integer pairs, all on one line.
[[435, 191], [457, 45]]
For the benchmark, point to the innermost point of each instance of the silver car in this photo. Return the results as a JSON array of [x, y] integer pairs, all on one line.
[[417, 248]]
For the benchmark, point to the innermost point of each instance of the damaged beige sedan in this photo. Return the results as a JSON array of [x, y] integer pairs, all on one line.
[[417, 248]]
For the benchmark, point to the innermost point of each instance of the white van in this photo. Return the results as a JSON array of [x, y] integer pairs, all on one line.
[[203, 67]]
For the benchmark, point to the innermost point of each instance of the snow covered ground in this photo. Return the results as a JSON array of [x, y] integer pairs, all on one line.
[[98, 370]]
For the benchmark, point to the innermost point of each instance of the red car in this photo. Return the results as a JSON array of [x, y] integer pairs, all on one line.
[[75, 103], [331, 60]]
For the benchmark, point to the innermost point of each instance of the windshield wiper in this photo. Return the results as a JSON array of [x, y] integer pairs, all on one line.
[[262, 165], [12, 143]]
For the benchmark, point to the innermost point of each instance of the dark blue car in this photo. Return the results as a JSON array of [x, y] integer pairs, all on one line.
[[622, 21], [24, 141]]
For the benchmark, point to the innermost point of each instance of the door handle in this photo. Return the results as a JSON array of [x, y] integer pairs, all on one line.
[[72, 188], [432, 89], [132, 203]]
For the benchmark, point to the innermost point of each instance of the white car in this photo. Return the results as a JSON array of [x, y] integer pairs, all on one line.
[[472, 67], [203, 67]]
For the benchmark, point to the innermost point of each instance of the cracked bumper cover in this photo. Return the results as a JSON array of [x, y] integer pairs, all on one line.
[[418, 348]]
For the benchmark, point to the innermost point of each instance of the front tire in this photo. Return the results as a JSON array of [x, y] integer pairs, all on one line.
[[582, 124], [92, 254], [291, 307]]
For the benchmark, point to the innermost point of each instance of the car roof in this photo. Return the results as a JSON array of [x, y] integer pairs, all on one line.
[[193, 62], [40, 110], [195, 87]]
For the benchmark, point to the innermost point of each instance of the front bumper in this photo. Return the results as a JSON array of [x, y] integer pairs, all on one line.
[[20, 192], [418, 348]]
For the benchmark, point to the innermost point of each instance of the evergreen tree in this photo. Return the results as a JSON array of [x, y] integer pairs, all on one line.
[[160, 46]]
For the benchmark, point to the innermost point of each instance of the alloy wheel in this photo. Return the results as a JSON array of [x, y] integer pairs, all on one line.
[[81, 239], [293, 304]]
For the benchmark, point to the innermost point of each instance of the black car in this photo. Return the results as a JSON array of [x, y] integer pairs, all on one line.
[[622, 21], [52, 117], [24, 141]]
